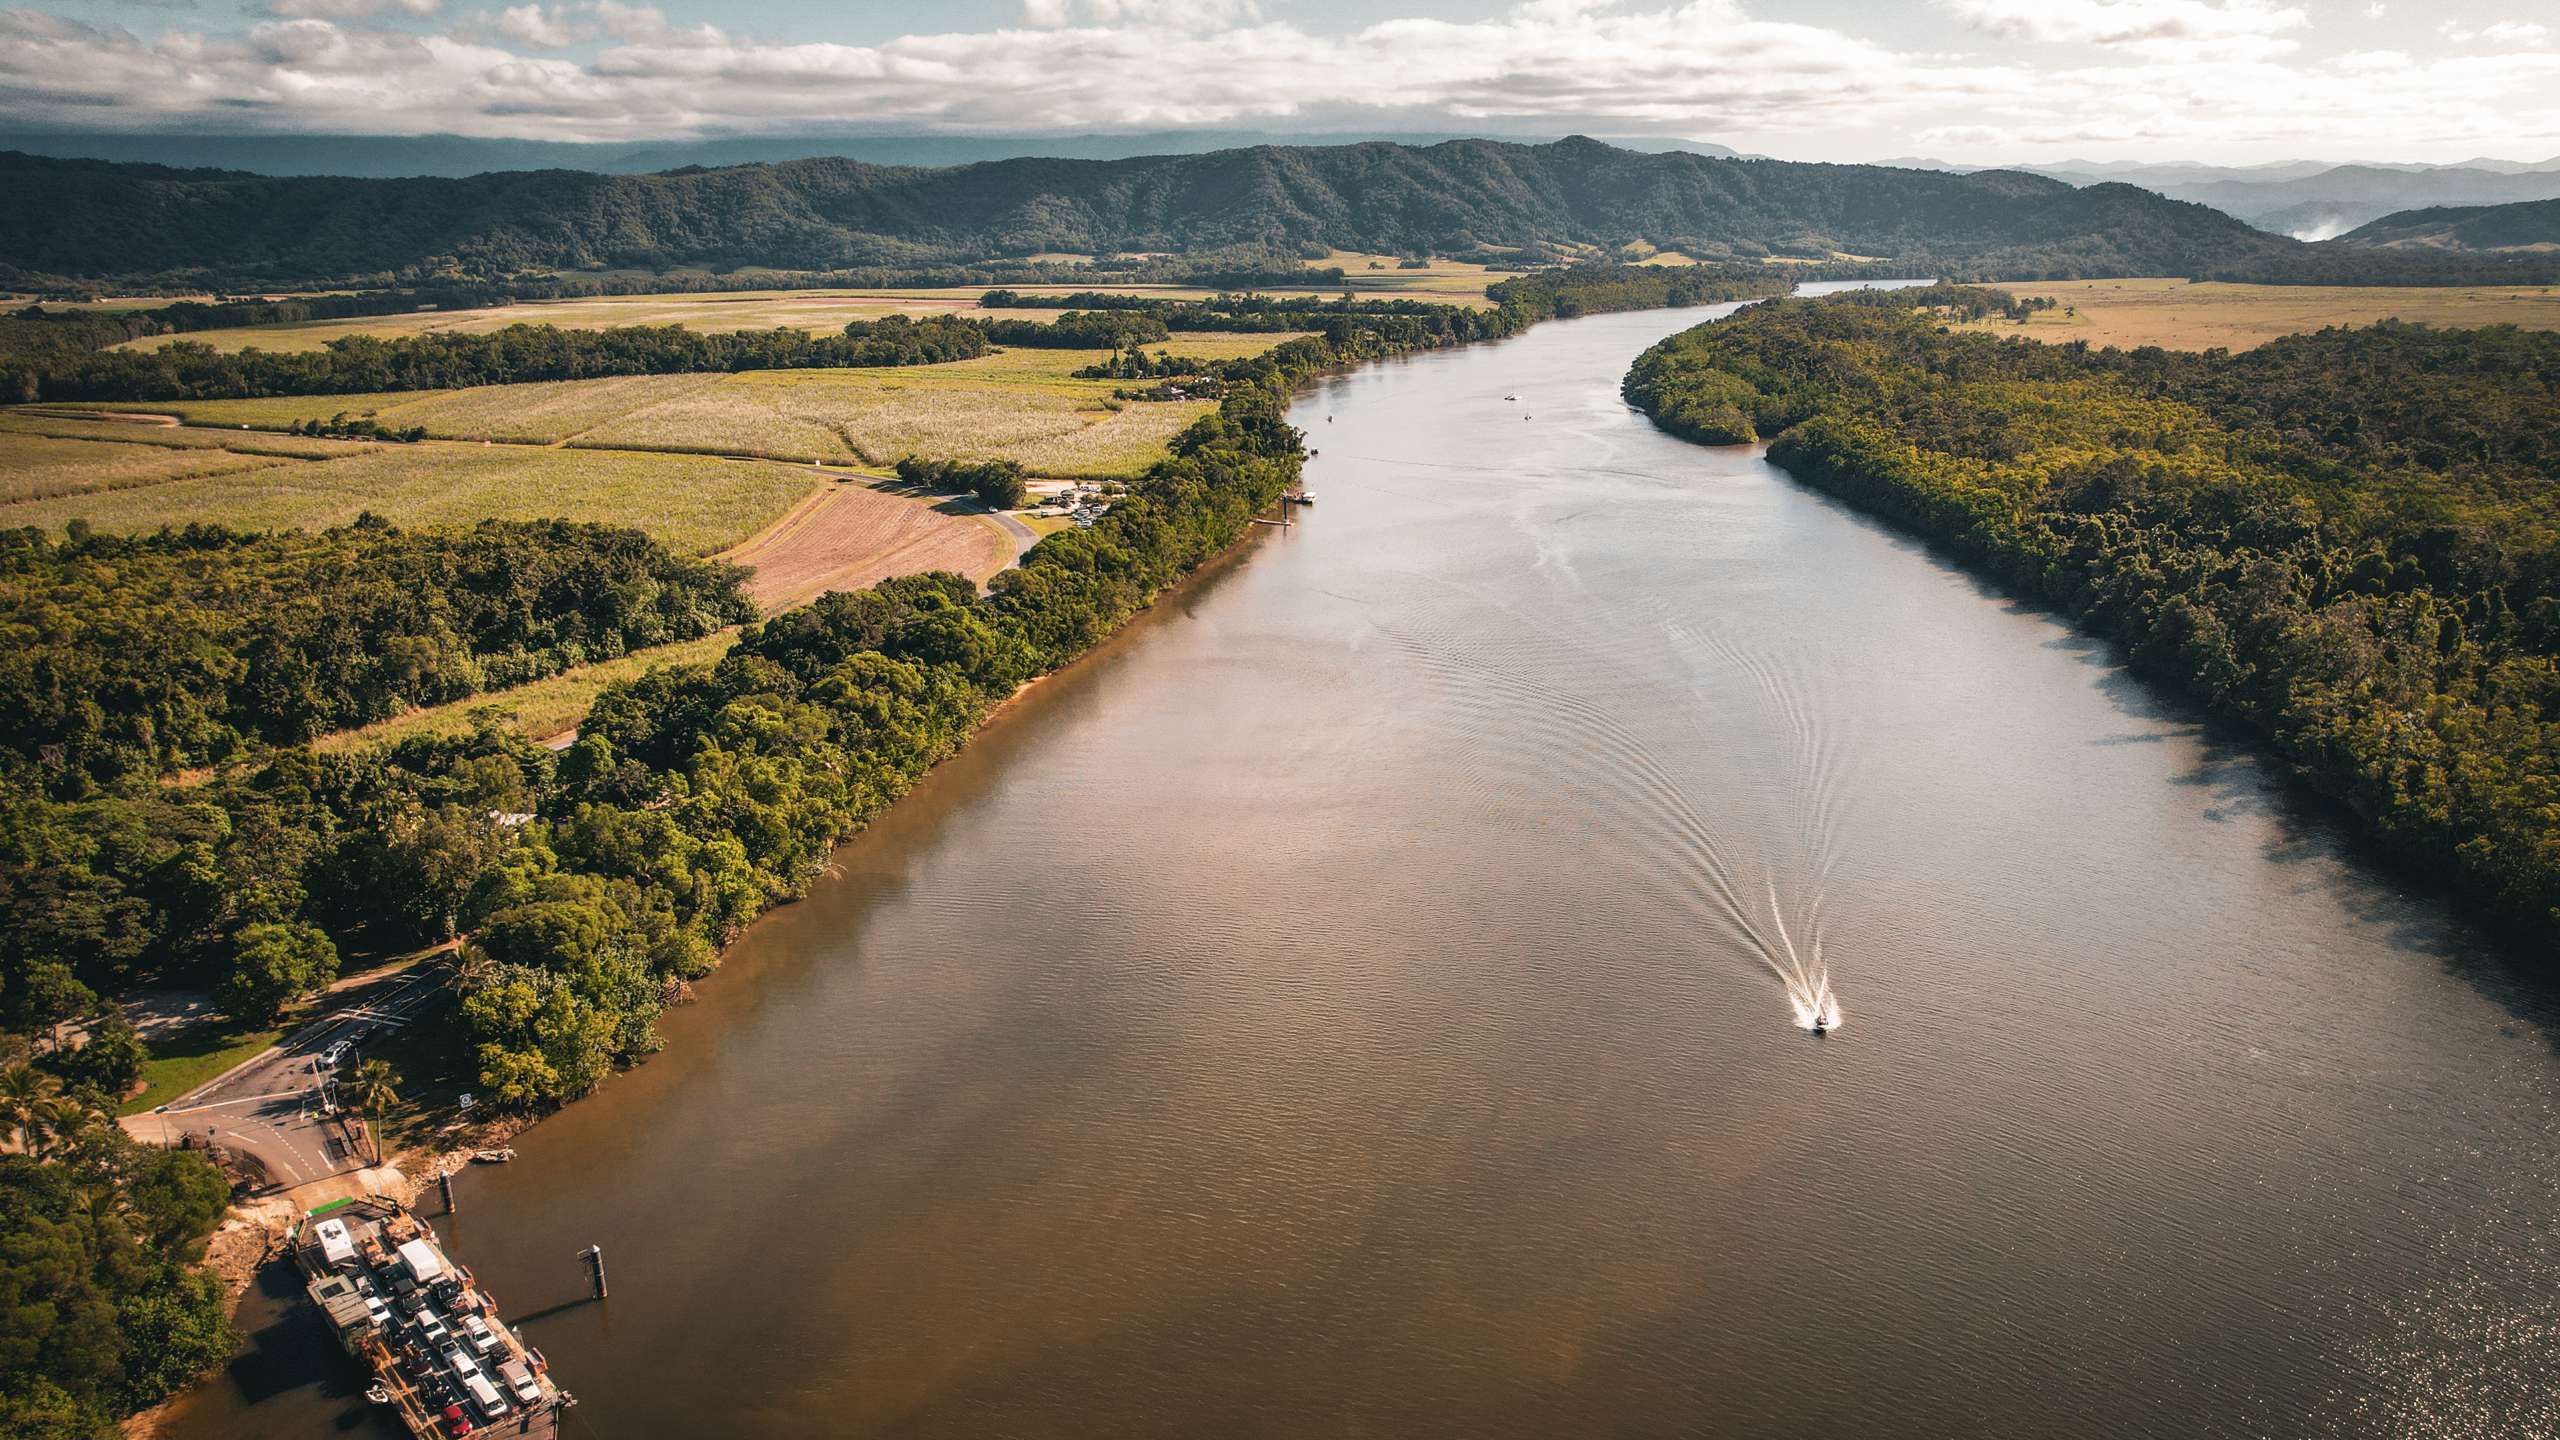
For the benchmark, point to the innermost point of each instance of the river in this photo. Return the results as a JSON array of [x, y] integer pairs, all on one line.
[[1350, 1004]]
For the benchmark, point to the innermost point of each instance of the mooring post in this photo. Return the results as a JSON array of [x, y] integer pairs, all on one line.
[[594, 1256]]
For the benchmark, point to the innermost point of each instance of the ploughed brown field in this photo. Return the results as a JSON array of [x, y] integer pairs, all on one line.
[[849, 536]]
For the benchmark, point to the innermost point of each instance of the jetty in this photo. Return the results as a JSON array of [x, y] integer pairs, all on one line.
[[438, 1353]]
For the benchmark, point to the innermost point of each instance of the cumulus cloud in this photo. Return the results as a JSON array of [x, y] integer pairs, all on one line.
[[2169, 28], [2154, 76], [558, 26], [1177, 14], [351, 9], [2503, 32]]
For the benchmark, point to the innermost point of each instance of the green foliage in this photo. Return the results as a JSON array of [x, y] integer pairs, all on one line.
[[2347, 541], [108, 1061], [100, 1313], [136, 656], [273, 965], [360, 364], [996, 483], [1081, 330]]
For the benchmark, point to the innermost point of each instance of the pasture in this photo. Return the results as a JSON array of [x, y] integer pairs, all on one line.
[[1020, 404], [2184, 315], [695, 505], [817, 311], [539, 710]]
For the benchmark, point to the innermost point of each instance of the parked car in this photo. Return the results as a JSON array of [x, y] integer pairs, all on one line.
[[519, 1378], [476, 1330], [431, 1325], [455, 1422], [462, 1363], [485, 1395]]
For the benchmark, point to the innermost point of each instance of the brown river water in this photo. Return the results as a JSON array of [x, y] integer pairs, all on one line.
[[1352, 1003]]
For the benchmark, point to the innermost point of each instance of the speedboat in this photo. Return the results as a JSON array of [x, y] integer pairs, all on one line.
[[1821, 1023]]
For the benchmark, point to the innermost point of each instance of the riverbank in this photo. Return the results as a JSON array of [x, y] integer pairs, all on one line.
[[1187, 520], [1313, 1011], [2265, 535]]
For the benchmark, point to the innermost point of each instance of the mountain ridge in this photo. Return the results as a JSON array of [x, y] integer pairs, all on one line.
[[99, 219]]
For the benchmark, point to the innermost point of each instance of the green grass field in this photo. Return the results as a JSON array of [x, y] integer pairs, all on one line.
[[695, 505], [273, 413], [67, 426], [33, 467], [1020, 404], [539, 710], [181, 1062]]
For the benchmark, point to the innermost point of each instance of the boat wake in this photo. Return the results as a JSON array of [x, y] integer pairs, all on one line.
[[1533, 692]]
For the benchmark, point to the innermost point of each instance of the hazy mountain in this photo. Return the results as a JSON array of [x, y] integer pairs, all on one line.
[[2530, 225], [79, 218], [395, 156], [2322, 201]]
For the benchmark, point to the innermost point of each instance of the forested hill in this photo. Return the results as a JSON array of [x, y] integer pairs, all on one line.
[[2531, 224], [91, 219]]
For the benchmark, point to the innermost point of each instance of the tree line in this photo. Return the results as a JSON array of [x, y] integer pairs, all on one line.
[[102, 1309], [362, 364], [132, 657], [2346, 541], [997, 483]]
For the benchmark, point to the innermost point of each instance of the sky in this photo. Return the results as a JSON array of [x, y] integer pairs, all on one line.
[[1969, 81]]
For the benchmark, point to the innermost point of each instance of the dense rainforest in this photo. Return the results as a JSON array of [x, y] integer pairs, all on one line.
[[80, 218], [129, 657], [102, 1311], [2348, 542]]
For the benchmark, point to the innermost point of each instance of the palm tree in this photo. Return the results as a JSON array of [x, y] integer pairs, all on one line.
[[375, 1088], [60, 1123], [25, 1091]]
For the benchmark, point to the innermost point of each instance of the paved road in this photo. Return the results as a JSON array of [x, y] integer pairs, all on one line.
[[270, 1107]]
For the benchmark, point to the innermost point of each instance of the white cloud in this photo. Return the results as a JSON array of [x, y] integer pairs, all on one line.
[[1175, 14], [2160, 77], [543, 27], [2166, 28], [351, 9], [2503, 32]]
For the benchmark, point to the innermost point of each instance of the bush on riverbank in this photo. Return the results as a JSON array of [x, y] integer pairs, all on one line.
[[2346, 541]]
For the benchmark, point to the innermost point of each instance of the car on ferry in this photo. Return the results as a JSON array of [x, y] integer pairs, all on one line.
[[492, 1405], [519, 1378], [463, 1366]]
